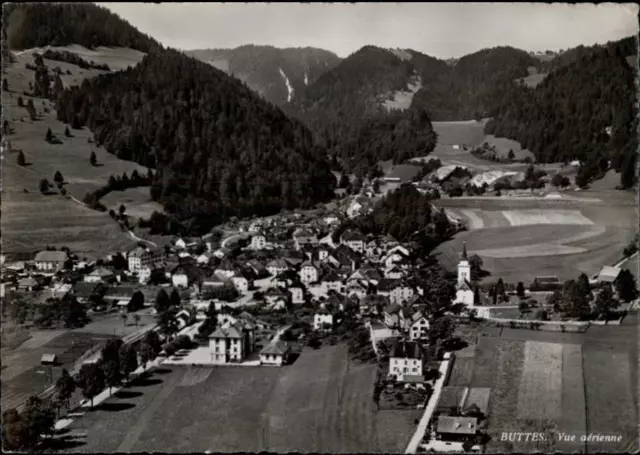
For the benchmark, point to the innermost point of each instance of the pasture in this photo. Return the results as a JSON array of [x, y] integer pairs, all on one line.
[[321, 403], [33, 220], [554, 382]]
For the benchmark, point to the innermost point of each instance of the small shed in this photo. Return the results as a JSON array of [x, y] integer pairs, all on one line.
[[456, 428]]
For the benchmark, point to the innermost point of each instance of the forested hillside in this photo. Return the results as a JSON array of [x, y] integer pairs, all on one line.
[[473, 85], [30, 25], [218, 149], [276, 74], [582, 110], [344, 108]]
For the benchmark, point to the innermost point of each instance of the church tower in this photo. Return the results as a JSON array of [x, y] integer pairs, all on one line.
[[464, 269]]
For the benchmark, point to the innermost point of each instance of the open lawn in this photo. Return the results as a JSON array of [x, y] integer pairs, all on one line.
[[321, 403], [553, 382], [137, 202], [31, 220]]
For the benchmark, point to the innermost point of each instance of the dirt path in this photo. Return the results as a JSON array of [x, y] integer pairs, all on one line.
[[134, 433]]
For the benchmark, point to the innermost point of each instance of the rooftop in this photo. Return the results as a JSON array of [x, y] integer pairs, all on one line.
[[457, 425], [51, 256]]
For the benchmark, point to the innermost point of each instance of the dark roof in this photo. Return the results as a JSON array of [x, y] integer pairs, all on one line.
[[331, 276], [352, 235], [451, 397], [407, 349], [86, 290], [393, 308], [386, 284], [278, 347], [120, 292]]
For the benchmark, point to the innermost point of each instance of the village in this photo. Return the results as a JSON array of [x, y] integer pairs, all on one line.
[[254, 293]]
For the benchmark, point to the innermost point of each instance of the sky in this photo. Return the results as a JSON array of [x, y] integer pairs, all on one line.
[[443, 30]]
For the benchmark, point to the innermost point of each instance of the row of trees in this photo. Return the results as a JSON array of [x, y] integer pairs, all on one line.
[[24, 431], [117, 183], [74, 59]]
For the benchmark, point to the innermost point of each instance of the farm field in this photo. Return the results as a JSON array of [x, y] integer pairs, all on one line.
[[32, 220], [516, 238], [136, 200], [321, 403], [555, 382]]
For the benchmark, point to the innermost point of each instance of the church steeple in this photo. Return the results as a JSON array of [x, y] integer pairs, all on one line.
[[464, 251]]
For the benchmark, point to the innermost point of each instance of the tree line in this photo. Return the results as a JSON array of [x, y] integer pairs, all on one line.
[[583, 110], [74, 59]]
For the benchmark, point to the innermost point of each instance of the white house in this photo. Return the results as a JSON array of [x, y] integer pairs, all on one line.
[[331, 282], [393, 273], [140, 257], [50, 261], [309, 272], [297, 294], [401, 293], [323, 320], [276, 353], [355, 287], [258, 242], [241, 283], [419, 328], [406, 361], [392, 258]]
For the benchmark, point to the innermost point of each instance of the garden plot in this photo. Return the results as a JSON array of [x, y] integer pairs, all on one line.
[[475, 220], [540, 391], [540, 249], [574, 417]]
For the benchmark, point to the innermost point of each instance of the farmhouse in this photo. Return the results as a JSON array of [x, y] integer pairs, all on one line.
[[258, 242], [309, 272], [304, 237], [418, 326], [277, 266], [354, 240], [449, 428], [406, 359], [276, 353], [50, 261], [401, 293], [331, 282], [323, 320]]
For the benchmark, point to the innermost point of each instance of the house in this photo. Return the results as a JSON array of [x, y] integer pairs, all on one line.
[[140, 257], [456, 428], [258, 242], [344, 257], [304, 237], [309, 272], [388, 242], [232, 343], [406, 359], [276, 353], [277, 266], [354, 239], [99, 275], [418, 327], [393, 272], [119, 294], [331, 281], [227, 269], [257, 268], [204, 258], [356, 288], [50, 261], [323, 320], [392, 315], [255, 227], [385, 286], [297, 293], [184, 276], [330, 220], [399, 249], [28, 284], [323, 252], [242, 281], [277, 298], [212, 280], [401, 293]]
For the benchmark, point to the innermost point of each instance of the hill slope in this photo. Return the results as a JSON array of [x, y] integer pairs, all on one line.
[[276, 74], [346, 108], [31, 25], [218, 149], [582, 110]]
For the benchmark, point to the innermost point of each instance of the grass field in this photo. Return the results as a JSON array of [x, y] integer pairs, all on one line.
[[517, 238], [136, 200], [554, 382], [321, 403], [31, 220]]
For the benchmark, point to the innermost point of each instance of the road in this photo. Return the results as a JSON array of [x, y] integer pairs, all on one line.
[[233, 238], [431, 406]]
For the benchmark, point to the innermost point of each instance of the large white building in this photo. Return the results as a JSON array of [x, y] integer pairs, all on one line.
[[50, 261], [406, 359], [232, 343], [140, 257]]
